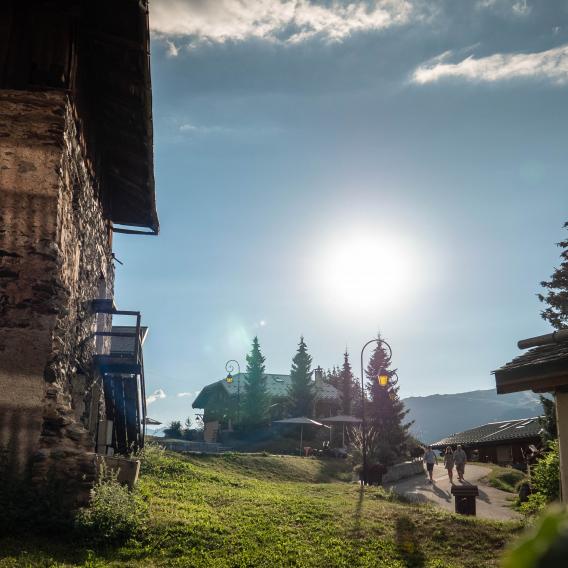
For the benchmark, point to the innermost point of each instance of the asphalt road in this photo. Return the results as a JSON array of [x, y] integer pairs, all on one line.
[[491, 504]]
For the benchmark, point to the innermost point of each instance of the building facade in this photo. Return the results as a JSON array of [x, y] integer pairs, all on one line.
[[220, 400], [75, 166]]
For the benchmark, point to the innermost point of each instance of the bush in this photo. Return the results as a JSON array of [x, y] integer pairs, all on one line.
[[534, 505], [545, 482], [544, 546], [114, 515], [545, 475]]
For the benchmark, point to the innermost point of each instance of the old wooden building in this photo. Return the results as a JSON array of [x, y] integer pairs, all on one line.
[[543, 368], [76, 166], [507, 442]]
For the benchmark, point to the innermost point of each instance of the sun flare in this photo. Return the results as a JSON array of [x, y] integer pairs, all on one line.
[[366, 271]]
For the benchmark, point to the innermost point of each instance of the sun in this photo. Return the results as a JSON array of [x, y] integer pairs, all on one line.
[[366, 271]]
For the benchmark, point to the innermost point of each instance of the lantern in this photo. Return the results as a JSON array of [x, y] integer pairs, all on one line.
[[383, 379]]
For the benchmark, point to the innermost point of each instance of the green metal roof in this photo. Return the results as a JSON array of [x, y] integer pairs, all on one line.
[[276, 385]]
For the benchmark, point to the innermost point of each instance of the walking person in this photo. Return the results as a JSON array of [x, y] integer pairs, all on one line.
[[430, 458], [460, 457], [449, 463]]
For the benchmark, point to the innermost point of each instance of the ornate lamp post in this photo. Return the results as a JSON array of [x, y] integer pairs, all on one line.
[[230, 367], [383, 380]]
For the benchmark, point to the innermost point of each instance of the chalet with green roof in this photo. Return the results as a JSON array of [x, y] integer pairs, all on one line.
[[219, 400]]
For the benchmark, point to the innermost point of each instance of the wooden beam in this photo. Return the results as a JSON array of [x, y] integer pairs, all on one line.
[[562, 423]]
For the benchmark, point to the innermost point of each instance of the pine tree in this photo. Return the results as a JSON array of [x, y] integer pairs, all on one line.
[[557, 291], [385, 411], [346, 386], [301, 393], [256, 399], [332, 377]]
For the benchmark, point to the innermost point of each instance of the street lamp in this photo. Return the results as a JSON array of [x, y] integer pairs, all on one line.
[[230, 367], [318, 374], [383, 380]]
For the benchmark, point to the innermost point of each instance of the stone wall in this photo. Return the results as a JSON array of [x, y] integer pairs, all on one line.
[[55, 255], [403, 470]]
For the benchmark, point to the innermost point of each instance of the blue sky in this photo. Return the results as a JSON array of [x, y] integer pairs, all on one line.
[[335, 168]]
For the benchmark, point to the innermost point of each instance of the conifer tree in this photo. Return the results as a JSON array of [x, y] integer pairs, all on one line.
[[332, 377], [301, 393], [256, 399], [557, 291], [385, 411], [346, 386]]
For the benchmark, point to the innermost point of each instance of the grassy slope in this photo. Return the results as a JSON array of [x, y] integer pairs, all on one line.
[[504, 478], [256, 511]]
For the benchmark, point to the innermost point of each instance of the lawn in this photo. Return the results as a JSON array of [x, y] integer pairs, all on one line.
[[239, 510], [504, 478]]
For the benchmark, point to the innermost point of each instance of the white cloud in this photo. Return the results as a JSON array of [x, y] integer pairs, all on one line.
[[516, 7], [551, 65], [156, 395], [188, 128], [288, 21], [184, 394], [172, 49]]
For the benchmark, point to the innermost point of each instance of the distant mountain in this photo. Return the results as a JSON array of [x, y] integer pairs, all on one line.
[[439, 415]]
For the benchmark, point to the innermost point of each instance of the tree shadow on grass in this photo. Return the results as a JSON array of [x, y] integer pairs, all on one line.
[[407, 543], [356, 530], [25, 550]]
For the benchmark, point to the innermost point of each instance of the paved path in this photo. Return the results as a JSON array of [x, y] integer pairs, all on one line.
[[491, 504]]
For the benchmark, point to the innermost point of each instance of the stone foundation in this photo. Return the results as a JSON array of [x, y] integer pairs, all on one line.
[[55, 257]]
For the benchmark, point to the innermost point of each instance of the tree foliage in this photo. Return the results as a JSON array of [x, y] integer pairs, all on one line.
[[174, 430], [301, 393], [556, 296], [256, 399], [385, 411], [548, 420], [346, 386]]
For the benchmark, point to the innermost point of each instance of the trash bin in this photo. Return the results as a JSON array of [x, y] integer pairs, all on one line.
[[464, 496]]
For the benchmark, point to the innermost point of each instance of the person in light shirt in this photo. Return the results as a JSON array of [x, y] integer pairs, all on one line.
[[430, 459], [460, 458]]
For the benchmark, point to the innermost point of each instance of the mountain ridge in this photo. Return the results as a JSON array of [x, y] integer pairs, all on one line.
[[439, 415]]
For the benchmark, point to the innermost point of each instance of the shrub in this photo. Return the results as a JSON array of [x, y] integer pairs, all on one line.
[[114, 515], [544, 546], [534, 505], [545, 475]]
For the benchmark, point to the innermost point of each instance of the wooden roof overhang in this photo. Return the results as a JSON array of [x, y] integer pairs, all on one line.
[[99, 53], [529, 439], [544, 368]]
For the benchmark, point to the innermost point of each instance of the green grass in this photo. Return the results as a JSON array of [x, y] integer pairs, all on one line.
[[504, 478], [269, 511]]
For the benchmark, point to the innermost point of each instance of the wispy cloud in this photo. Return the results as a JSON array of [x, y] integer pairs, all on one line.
[[156, 395], [172, 49], [184, 394], [550, 65], [286, 21], [516, 7], [188, 128]]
